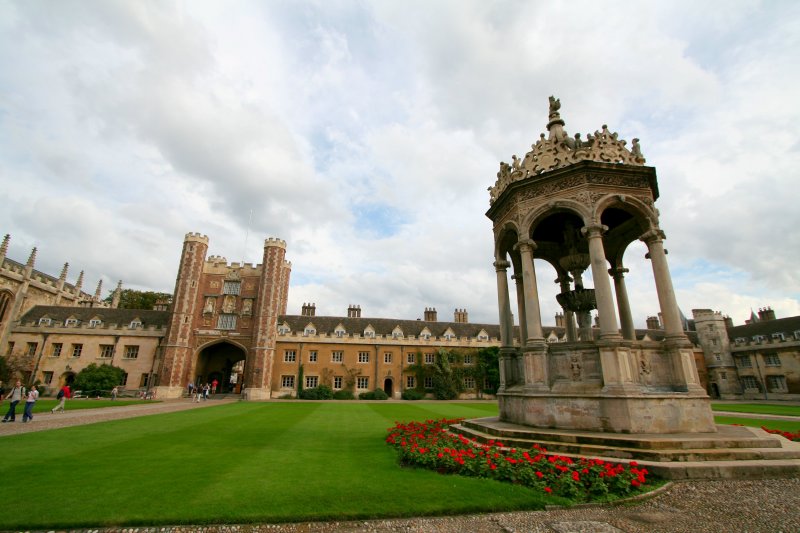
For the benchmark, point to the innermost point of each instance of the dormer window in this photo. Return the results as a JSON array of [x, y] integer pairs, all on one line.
[[71, 322], [45, 321], [778, 337], [425, 334], [340, 331], [483, 336], [797, 334], [95, 322], [369, 333], [284, 329], [310, 330], [135, 324], [758, 339], [740, 340], [449, 334], [397, 333]]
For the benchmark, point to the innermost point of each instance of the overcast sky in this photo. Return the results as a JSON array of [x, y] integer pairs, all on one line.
[[365, 134]]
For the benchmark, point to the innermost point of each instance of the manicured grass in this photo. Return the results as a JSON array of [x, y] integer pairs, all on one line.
[[783, 425], [758, 408], [43, 406], [238, 463]]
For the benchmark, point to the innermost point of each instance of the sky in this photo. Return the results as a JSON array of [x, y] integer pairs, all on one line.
[[365, 134]]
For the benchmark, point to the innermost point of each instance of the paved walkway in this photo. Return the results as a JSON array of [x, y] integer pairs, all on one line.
[[757, 506]]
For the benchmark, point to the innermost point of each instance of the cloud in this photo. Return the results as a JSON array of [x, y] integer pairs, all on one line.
[[366, 136]]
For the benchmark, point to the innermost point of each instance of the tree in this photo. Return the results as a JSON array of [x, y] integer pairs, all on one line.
[[16, 366], [131, 299], [487, 370], [95, 379], [447, 381]]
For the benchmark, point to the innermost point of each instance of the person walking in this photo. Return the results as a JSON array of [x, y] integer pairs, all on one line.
[[214, 386], [63, 395], [14, 397], [33, 395], [206, 389], [114, 393], [191, 387]]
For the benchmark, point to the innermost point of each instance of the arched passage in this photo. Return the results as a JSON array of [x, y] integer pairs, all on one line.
[[223, 362]]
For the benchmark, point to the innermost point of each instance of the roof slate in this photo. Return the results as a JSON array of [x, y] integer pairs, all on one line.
[[107, 315]]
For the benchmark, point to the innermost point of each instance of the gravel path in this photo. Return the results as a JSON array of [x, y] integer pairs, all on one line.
[[763, 506]]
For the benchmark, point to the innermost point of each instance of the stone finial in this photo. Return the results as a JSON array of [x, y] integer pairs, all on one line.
[[97, 291], [4, 246], [115, 298], [79, 283], [560, 150], [31, 258], [64, 270]]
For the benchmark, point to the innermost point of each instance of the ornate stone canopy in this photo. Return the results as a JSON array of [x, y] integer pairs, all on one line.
[[559, 150]]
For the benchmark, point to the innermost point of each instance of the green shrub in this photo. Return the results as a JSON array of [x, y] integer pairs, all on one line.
[[412, 394], [376, 394], [344, 395], [317, 393]]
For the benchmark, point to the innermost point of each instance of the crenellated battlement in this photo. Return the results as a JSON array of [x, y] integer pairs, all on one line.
[[196, 237], [274, 242]]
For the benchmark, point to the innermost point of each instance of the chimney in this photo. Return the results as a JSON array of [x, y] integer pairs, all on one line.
[[559, 320], [430, 314], [728, 322], [354, 311], [310, 309], [460, 316], [653, 322], [766, 314]]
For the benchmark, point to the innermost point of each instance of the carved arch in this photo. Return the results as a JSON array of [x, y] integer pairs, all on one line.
[[631, 203], [535, 216]]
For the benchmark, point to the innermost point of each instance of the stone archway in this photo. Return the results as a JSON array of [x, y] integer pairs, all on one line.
[[222, 361], [67, 378], [387, 386]]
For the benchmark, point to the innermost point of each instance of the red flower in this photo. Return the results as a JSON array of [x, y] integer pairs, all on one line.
[[548, 490]]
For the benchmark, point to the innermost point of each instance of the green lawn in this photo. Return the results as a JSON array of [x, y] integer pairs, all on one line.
[[45, 405], [758, 408], [238, 463], [783, 425]]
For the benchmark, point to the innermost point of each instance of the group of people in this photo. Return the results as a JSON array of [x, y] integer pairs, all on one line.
[[196, 392], [15, 396]]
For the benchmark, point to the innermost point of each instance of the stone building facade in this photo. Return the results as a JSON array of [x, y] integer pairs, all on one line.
[[216, 328]]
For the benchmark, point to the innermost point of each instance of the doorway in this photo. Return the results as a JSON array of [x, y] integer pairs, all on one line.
[[223, 362], [387, 387]]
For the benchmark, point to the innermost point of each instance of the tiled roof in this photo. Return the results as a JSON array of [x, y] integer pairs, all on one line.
[[385, 326], [107, 315], [786, 325]]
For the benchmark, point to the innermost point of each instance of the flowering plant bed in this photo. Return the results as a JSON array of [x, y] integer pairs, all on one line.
[[793, 436], [428, 444]]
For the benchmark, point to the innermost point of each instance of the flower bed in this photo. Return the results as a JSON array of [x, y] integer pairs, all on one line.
[[788, 434], [429, 445]]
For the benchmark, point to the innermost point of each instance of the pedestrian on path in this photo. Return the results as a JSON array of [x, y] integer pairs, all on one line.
[[214, 386], [33, 395], [64, 394], [14, 397], [114, 392]]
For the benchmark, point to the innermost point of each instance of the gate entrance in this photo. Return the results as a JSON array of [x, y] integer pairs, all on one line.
[[223, 362]]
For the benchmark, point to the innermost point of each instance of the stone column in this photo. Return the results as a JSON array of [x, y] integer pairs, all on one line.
[[602, 287], [623, 304], [523, 329], [569, 316], [506, 356], [654, 239], [533, 315], [506, 332]]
